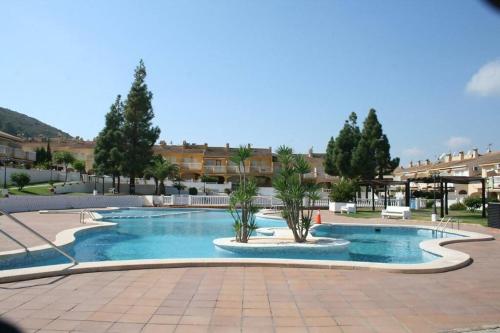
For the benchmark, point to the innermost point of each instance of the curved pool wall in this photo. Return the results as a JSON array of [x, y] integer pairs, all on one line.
[[103, 249]]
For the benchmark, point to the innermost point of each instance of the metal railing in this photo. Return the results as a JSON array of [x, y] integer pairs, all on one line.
[[34, 232], [86, 212], [444, 222]]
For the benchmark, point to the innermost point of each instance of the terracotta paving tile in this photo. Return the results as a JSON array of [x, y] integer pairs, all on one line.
[[134, 318], [156, 328], [165, 319], [62, 324], [195, 320], [33, 323], [166, 310], [104, 316], [225, 321], [125, 328], [93, 326], [288, 321], [191, 329]]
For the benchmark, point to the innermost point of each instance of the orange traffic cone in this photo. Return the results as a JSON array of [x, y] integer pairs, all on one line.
[[318, 217]]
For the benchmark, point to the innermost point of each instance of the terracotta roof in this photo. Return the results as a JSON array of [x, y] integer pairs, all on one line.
[[10, 137], [489, 158]]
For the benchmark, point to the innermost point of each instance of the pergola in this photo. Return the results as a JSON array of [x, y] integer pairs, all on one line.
[[443, 182], [385, 183]]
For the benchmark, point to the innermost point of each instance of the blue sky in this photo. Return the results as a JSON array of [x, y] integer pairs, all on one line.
[[265, 72]]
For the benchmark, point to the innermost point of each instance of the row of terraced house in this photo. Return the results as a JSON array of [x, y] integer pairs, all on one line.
[[196, 161]]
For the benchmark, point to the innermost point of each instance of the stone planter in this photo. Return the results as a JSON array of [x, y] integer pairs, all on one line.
[[335, 206]]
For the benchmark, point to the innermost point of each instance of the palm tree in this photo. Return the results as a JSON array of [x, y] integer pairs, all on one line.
[[159, 170], [298, 196], [241, 201]]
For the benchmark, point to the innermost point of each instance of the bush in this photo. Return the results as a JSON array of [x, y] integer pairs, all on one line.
[[193, 191], [343, 191], [429, 204], [20, 179], [457, 206], [473, 203]]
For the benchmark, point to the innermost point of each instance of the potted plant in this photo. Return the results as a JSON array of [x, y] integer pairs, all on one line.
[[342, 193]]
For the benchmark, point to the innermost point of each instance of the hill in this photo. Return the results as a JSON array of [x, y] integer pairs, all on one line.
[[19, 124]]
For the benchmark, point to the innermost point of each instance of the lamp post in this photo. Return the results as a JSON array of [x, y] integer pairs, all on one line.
[[5, 173]]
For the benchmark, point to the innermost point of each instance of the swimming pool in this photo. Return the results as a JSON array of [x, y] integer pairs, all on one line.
[[189, 233]]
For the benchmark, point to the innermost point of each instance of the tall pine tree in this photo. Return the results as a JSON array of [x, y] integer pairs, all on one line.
[[343, 147], [109, 149], [139, 133], [371, 157], [329, 162]]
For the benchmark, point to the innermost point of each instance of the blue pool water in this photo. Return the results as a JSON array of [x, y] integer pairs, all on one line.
[[189, 233]]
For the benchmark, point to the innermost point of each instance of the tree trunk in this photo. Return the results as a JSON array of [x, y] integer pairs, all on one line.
[[65, 174], [131, 189], [114, 182], [118, 190]]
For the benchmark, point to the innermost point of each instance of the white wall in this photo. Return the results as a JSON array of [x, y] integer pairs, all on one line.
[[24, 203], [39, 176]]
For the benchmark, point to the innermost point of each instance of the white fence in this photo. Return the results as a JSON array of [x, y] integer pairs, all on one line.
[[223, 201], [379, 203]]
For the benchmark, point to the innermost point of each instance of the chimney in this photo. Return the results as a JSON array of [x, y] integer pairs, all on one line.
[[227, 146], [419, 163], [460, 155], [411, 164], [475, 153], [427, 162], [249, 146], [448, 157], [311, 152], [206, 145], [270, 149]]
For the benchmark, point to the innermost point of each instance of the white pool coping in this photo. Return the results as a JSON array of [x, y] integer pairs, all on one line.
[[449, 259]]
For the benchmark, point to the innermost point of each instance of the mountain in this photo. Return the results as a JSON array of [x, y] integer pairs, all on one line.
[[19, 124]]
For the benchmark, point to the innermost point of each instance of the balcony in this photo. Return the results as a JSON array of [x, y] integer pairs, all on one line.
[[260, 169], [211, 169], [5, 151], [191, 166], [16, 153]]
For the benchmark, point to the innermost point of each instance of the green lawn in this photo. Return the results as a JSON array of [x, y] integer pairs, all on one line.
[[39, 189], [425, 215]]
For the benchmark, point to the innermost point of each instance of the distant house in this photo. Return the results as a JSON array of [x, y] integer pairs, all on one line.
[[472, 164], [11, 149]]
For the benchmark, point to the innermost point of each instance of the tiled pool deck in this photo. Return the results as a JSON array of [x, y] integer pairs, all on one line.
[[257, 299]]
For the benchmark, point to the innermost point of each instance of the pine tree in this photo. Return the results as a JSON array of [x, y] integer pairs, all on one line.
[[329, 163], [108, 153], [48, 153], [371, 157], [345, 143], [139, 134]]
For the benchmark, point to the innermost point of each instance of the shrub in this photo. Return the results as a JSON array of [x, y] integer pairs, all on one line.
[[429, 204], [343, 191], [457, 206], [20, 179], [473, 203], [193, 191]]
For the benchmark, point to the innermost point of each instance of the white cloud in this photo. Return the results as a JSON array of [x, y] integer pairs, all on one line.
[[457, 142], [413, 152], [486, 82]]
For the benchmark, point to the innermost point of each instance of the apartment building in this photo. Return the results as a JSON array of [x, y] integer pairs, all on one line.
[[12, 150], [470, 164]]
